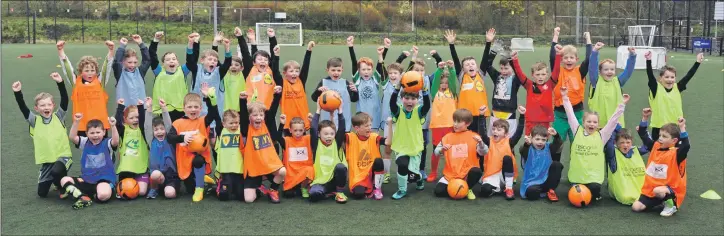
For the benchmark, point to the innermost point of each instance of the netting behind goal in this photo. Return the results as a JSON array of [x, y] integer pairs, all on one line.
[[287, 34], [641, 35]]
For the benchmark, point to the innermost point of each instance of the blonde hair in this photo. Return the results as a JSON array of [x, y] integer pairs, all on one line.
[[42, 96], [192, 97], [256, 106], [538, 66], [570, 49], [418, 61], [589, 113], [237, 60], [230, 114], [667, 68], [360, 119], [291, 65], [209, 53], [129, 53], [88, 60], [600, 65]]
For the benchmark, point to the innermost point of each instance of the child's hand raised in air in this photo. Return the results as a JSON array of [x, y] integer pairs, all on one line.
[[17, 86], [632, 51], [598, 46], [251, 35], [407, 53], [309, 117], [433, 52], [112, 121], [237, 31], [380, 50], [647, 55], [514, 55], [276, 50], [227, 43], [521, 110], [110, 45], [646, 113], [526, 139], [60, 45], [121, 101], [243, 95], [450, 36], [552, 131], [626, 98], [450, 63], [556, 31], [559, 49], [219, 37], [490, 35], [350, 41], [205, 89], [123, 41], [56, 77], [277, 89], [700, 57], [441, 65], [387, 42], [352, 87], [162, 103], [137, 39], [415, 51], [311, 45], [482, 109], [564, 91], [587, 36], [682, 124], [158, 36], [148, 103], [283, 119], [270, 32], [77, 116]]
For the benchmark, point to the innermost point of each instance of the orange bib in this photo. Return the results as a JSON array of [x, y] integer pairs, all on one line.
[[294, 102], [494, 159], [473, 94], [260, 157], [462, 155], [298, 161], [575, 84], [91, 100], [443, 108], [260, 84], [184, 157], [662, 169], [360, 156]]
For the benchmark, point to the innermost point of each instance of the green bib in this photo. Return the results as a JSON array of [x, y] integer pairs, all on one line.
[[229, 155], [133, 152], [409, 133], [172, 88], [625, 185], [50, 140], [325, 159], [233, 84], [588, 162], [666, 106], [605, 100]]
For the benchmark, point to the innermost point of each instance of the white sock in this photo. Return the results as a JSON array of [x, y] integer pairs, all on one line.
[[73, 191], [387, 163], [508, 182], [378, 181]]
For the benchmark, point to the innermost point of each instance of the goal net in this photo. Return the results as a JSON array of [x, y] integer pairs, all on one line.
[[287, 34], [641, 35], [658, 57], [522, 44]]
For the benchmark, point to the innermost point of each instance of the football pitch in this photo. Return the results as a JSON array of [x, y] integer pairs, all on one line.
[[23, 212]]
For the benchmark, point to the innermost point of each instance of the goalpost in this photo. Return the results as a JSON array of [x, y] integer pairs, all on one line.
[[641, 38], [287, 34]]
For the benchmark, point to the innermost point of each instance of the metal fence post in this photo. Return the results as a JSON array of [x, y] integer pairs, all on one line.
[[82, 21], [55, 20], [110, 27], [165, 19], [137, 16], [27, 17]]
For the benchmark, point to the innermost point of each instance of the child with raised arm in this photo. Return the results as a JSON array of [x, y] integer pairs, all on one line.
[[97, 177], [260, 81], [367, 82], [297, 157], [473, 94], [409, 148], [193, 166], [330, 165], [162, 159], [170, 77], [130, 82], [541, 163], [499, 165], [50, 140], [606, 88], [133, 153], [362, 147], [346, 90], [665, 93], [539, 95], [626, 168], [588, 162], [574, 78], [293, 81], [505, 86], [260, 154], [444, 98], [89, 96], [665, 181], [209, 72], [463, 150]]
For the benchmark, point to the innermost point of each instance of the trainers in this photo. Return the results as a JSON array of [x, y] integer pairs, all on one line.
[[118, 196], [262, 190], [432, 177], [152, 194], [423, 175], [64, 195], [509, 194], [340, 198], [274, 196], [471, 195], [552, 196], [420, 184], [198, 195], [668, 211], [209, 180], [305, 193], [85, 201], [386, 179], [377, 193], [399, 195]]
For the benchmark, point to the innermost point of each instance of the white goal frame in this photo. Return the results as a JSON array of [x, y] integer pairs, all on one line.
[[636, 36], [658, 57], [522, 44], [261, 34]]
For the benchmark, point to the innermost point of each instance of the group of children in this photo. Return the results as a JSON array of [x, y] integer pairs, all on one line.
[[233, 105]]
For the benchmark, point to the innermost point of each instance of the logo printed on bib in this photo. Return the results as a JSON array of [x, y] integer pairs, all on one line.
[[467, 86], [364, 159], [261, 141], [230, 141], [298, 154], [460, 151], [657, 171]]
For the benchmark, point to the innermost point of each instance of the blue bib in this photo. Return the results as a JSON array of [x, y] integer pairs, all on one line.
[[536, 168], [162, 156], [97, 163]]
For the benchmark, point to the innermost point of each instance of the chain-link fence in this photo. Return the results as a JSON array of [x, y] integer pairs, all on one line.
[[330, 22]]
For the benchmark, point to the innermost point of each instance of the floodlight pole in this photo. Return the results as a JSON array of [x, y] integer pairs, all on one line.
[[215, 18], [578, 21], [413, 15]]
